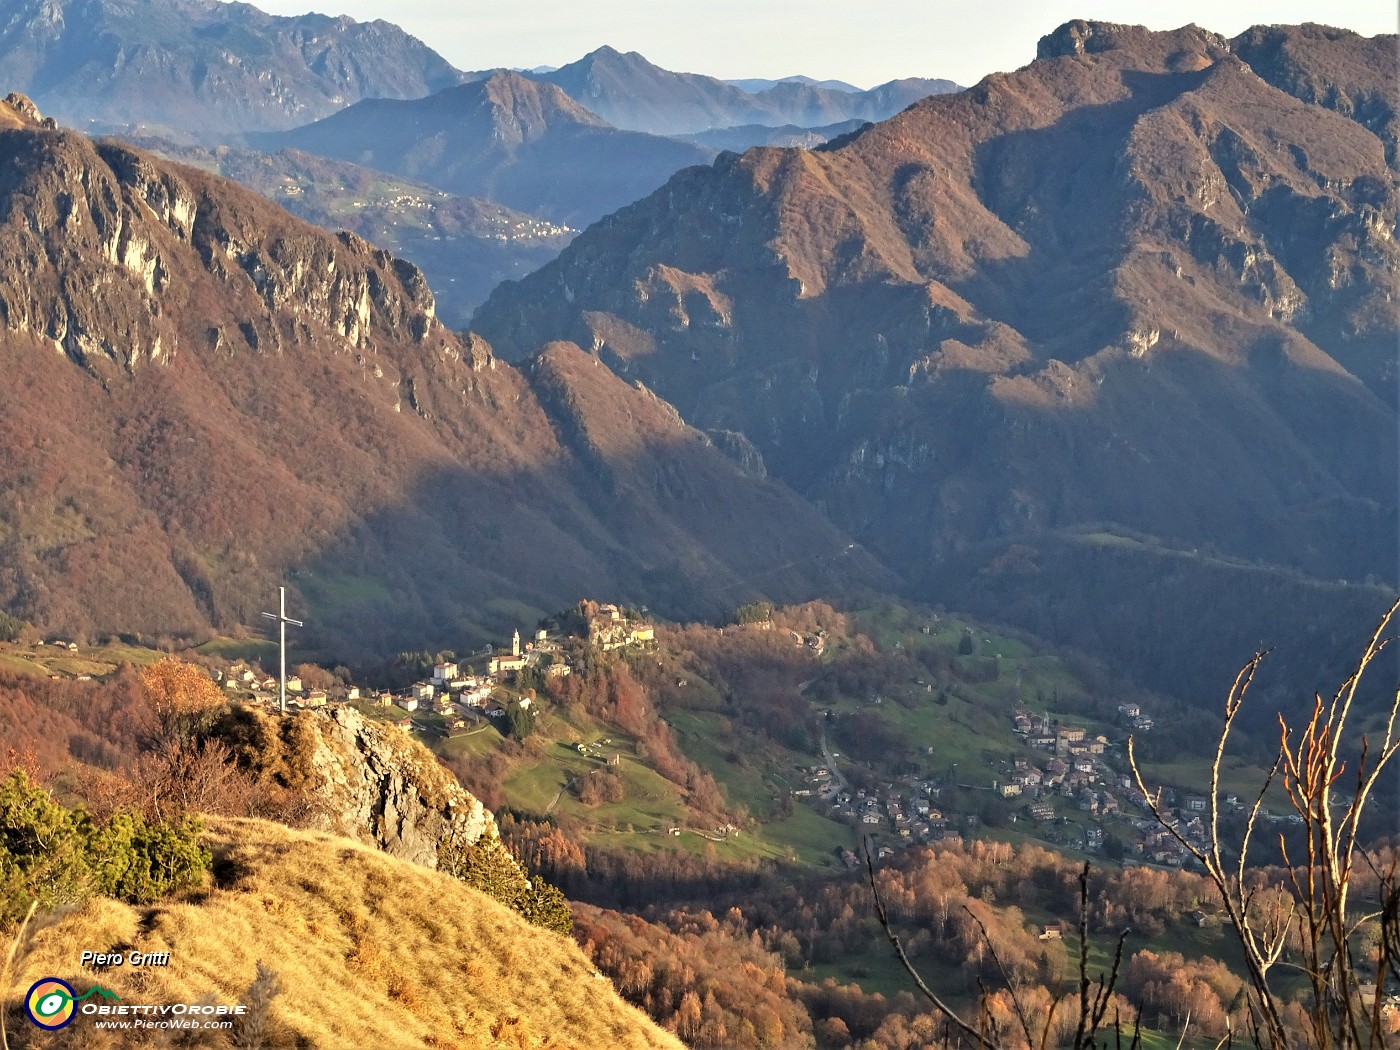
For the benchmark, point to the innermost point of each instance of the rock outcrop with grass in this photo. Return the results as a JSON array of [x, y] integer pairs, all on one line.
[[383, 787], [372, 782]]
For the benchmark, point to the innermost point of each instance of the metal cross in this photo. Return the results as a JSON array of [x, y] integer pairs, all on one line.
[[282, 620]]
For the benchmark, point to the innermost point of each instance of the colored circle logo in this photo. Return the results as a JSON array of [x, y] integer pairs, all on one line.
[[49, 1003]]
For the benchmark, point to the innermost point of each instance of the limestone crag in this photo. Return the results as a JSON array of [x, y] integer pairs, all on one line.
[[384, 788], [104, 260]]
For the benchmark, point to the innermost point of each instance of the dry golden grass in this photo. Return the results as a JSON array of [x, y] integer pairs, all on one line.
[[371, 952]]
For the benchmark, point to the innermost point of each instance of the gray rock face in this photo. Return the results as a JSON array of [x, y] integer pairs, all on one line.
[[204, 70], [741, 450], [113, 246], [382, 787]]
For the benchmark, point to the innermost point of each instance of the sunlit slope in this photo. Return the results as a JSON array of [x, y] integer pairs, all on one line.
[[370, 951]]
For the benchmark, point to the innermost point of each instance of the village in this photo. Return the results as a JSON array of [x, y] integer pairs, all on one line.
[[460, 695], [1064, 787]]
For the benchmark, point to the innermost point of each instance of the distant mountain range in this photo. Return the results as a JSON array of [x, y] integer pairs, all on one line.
[[203, 69], [197, 76], [206, 396], [629, 92], [1143, 286], [507, 138], [206, 71], [753, 85]]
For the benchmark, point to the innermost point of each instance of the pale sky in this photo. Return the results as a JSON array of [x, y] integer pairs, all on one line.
[[866, 42]]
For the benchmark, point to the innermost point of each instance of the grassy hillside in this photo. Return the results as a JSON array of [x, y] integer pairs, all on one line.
[[907, 699], [369, 951]]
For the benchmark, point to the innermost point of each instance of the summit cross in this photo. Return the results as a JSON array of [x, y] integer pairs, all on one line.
[[282, 620]]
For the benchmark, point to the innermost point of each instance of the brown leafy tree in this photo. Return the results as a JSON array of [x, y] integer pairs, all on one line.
[[181, 694]]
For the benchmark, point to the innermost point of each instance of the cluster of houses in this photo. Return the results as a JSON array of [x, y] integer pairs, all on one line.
[[1065, 774], [907, 808], [1081, 772], [250, 679], [1077, 769], [462, 696], [1132, 714]]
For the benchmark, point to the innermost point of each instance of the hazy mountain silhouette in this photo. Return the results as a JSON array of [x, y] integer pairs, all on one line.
[[506, 138], [203, 70]]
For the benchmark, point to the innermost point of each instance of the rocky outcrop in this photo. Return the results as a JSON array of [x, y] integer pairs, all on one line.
[[741, 450], [380, 786], [103, 246]]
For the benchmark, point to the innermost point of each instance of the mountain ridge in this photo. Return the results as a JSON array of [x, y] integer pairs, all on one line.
[[631, 92], [1129, 285]]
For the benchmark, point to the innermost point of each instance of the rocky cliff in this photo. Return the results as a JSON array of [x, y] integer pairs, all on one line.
[[95, 233], [465, 246], [376, 784]]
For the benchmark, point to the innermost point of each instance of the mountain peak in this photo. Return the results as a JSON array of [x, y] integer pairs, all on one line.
[[527, 99], [19, 111], [1085, 37], [1114, 224], [608, 53], [507, 137]]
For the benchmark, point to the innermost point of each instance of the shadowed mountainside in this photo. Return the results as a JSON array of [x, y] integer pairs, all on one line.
[[206, 394], [1131, 285]]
